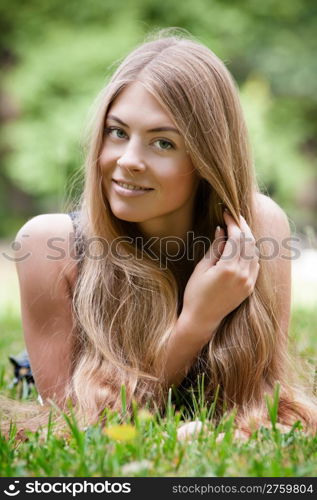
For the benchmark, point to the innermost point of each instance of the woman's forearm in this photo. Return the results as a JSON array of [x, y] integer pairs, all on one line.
[[184, 345]]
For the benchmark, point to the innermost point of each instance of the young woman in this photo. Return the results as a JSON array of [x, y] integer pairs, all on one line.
[[161, 283]]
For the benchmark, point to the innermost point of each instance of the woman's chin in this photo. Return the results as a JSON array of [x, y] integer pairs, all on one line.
[[128, 216]]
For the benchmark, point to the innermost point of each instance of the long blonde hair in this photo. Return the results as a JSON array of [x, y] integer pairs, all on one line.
[[126, 308]]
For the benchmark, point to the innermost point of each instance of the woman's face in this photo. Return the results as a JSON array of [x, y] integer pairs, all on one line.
[[143, 149]]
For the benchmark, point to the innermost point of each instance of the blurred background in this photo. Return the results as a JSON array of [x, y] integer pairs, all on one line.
[[55, 57]]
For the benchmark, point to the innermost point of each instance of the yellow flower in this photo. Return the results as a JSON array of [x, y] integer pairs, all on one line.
[[124, 432]]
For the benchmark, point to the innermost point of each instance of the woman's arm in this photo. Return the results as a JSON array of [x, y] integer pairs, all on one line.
[[218, 284], [44, 274], [186, 341], [183, 347]]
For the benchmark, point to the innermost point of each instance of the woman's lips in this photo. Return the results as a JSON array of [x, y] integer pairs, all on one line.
[[130, 184], [125, 191]]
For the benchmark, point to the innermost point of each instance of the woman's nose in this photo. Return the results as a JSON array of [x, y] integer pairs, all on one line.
[[132, 159]]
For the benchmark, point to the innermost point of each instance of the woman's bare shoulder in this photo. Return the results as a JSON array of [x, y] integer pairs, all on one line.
[[53, 225], [271, 227], [269, 218], [46, 243]]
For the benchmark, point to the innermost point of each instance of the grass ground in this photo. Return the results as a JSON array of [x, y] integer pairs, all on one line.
[[149, 446]]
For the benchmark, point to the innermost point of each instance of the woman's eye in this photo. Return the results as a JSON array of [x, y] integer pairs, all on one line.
[[164, 145], [115, 132]]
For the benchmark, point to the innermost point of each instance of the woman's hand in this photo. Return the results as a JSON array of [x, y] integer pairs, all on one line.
[[222, 280]]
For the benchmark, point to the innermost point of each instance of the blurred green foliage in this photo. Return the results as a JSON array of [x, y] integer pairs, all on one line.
[[57, 55]]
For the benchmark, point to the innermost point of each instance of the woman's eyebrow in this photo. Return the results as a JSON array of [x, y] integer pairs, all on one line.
[[157, 129]]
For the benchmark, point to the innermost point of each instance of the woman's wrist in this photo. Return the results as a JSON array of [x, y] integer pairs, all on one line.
[[195, 331], [184, 345]]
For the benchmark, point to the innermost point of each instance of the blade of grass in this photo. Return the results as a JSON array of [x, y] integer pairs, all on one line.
[[212, 407], [124, 401], [272, 405]]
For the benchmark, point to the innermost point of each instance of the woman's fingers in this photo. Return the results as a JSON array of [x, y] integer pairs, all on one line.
[[220, 242], [233, 244], [215, 250], [249, 257], [240, 247], [249, 252]]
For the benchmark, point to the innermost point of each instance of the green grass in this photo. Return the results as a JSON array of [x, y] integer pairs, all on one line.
[[148, 446]]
